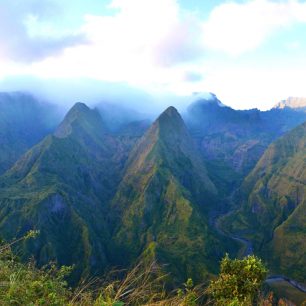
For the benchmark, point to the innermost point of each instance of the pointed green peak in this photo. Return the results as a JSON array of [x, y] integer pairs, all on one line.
[[170, 123], [79, 106], [80, 115], [170, 113], [170, 117], [77, 109]]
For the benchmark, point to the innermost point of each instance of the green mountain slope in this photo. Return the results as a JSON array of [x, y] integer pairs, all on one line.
[[234, 140], [61, 187], [162, 203], [274, 212]]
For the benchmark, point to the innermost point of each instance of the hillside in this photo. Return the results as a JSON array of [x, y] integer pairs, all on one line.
[[163, 201], [106, 197], [99, 200], [232, 141], [274, 205], [61, 187]]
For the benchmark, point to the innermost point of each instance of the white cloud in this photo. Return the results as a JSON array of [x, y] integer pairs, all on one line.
[[237, 28], [145, 43], [26, 34], [157, 46], [256, 86]]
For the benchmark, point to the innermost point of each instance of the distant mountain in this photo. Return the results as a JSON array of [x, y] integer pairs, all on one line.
[[274, 205], [23, 122], [232, 140], [292, 102], [163, 201], [224, 133], [61, 187]]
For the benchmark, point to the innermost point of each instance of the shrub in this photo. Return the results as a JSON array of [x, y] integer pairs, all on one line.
[[239, 281]]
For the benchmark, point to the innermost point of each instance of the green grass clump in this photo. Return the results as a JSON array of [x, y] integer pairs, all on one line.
[[143, 285]]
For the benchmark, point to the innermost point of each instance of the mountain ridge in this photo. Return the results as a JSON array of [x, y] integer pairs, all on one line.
[[138, 191], [297, 103], [64, 184], [273, 197], [161, 202]]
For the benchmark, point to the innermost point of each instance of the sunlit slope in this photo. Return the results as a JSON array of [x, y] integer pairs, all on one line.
[[163, 201], [274, 211]]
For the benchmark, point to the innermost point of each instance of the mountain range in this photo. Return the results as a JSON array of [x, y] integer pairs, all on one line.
[[273, 213], [293, 103], [107, 188]]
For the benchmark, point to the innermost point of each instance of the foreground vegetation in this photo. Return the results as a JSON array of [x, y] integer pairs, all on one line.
[[238, 284]]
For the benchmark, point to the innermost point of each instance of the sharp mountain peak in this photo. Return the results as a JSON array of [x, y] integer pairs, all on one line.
[[83, 116], [170, 118]]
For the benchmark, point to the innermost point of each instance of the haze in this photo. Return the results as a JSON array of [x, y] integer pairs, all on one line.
[[152, 53]]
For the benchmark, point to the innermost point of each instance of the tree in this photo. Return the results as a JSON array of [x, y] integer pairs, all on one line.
[[239, 281]]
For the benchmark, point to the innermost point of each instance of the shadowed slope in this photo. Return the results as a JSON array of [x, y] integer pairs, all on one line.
[[273, 214], [61, 187]]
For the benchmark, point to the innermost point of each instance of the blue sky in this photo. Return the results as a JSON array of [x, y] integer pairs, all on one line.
[[249, 53]]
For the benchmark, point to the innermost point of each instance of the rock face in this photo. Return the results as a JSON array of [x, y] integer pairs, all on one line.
[[292, 102], [274, 196]]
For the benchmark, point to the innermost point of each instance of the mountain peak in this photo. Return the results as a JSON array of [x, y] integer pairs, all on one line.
[[207, 99], [80, 106], [82, 116], [171, 111], [292, 102], [169, 140], [169, 123]]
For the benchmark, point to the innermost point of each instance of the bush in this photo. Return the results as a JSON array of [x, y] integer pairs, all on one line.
[[24, 284], [239, 281]]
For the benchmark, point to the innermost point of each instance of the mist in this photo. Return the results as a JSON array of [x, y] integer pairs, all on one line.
[[66, 92]]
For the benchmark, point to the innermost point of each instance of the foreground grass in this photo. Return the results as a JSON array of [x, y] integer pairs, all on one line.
[[238, 284]]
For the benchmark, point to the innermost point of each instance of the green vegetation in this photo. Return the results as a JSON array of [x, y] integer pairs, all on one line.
[[96, 209], [235, 140], [99, 201], [163, 201], [25, 284], [61, 187], [274, 204], [239, 281]]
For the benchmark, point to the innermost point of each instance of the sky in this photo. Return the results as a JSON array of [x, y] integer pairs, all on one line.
[[251, 54]]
